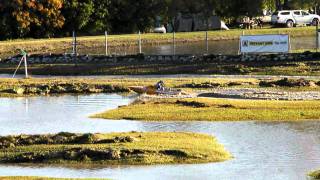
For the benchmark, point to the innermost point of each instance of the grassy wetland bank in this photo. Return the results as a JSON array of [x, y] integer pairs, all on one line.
[[61, 45], [47, 86], [190, 109], [201, 109], [290, 68], [315, 174], [132, 148], [34, 86]]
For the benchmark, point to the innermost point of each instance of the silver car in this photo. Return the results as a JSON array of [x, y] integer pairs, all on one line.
[[291, 18]]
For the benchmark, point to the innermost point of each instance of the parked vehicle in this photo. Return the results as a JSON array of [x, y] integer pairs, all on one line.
[[161, 29], [291, 18], [265, 19]]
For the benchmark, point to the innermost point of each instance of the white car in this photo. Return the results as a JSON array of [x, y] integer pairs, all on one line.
[[291, 18], [161, 29]]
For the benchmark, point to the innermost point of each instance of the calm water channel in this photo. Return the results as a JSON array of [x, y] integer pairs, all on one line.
[[262, 150]]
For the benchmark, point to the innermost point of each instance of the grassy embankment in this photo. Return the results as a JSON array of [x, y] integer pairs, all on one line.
[[63, 44], [42, 178], [45, 45], [311, 68], [133, 148], [47, 86], [315, 174], [201, 109], [125, 81]]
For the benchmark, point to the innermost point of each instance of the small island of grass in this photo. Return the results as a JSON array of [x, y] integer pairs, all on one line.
[[132, 148], [315, 174], [209, 109]]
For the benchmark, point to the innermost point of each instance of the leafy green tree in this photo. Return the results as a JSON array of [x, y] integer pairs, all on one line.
[[6, 20], [269, 5], [296, 4], [146, 12], [98, 21], [174, 7], [47, 18], [303, 4], [77, 14], [234, 9], [21, 18], [131, 16]]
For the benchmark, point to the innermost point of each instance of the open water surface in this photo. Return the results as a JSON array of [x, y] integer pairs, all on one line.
[[262, 150]]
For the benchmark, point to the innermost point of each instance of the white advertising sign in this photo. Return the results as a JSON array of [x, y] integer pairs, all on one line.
[[265, 44]]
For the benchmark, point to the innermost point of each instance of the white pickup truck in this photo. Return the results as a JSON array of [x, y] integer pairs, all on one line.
[[291, 18]]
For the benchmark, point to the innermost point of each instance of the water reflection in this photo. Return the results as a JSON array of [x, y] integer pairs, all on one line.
[[56, 114], [262, 150]]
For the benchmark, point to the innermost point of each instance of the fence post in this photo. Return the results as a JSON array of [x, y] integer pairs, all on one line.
[[239, 50], [207, 42], [140, 43], [106, 42], [174, 43], [74, 44], [290, 47], [317, 37], [25, 65]]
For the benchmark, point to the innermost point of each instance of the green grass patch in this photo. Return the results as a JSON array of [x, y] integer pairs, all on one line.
[[202, 109], [315, 174], [61, 44], [223, 68], [127, 81], [216, 35], [10, 87], [44, 86], [134, 148]]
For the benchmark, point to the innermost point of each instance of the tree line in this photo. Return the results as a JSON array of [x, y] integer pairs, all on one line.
[[57, 18]]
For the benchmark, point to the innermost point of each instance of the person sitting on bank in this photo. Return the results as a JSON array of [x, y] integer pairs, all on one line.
[[160, 86]]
